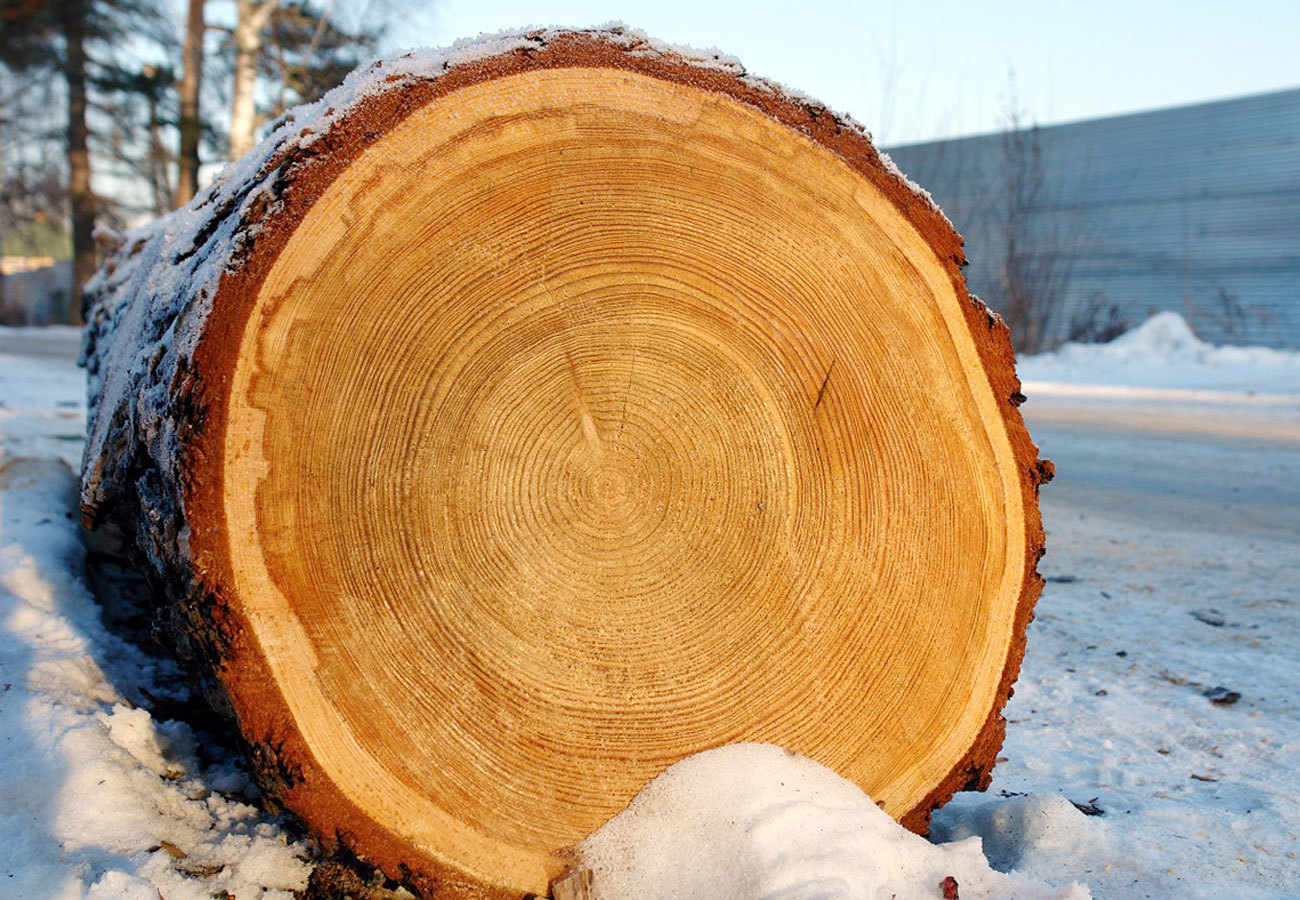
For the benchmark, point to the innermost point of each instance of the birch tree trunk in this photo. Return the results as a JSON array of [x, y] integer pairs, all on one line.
[[250, 28], [523, 418]]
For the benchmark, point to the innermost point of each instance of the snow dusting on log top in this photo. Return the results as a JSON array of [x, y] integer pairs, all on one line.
[[159, 280]]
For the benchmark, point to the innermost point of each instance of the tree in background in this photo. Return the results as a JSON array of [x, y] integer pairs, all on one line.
[[33, 187], [308, 51], [251, 20], [1031, 281], [299, 49], [73, 16], [1039, 237], [190, 125], [44, 37], [94, 84], [78, 39], [141, 110]]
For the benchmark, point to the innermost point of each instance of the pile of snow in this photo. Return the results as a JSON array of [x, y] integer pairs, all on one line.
[[1164, 353], [752, 820]]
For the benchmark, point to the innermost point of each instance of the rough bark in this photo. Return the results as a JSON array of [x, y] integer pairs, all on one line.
[[168, 312]]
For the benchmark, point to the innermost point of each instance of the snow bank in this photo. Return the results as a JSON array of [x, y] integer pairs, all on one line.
[[754, 821], [1164, 353]]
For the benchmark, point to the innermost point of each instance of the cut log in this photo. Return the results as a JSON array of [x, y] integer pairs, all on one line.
[[523, 418]]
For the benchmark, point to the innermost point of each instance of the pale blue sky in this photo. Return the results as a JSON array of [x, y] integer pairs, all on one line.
[[913, 71]]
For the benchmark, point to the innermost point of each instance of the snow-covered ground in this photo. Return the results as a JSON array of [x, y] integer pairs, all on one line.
[[1160, 692], [1162, 680]]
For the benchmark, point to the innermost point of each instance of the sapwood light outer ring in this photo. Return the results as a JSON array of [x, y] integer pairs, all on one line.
[[278, 751]]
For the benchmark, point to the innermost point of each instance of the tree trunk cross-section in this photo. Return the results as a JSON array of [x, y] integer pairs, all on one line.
[[521, 419]]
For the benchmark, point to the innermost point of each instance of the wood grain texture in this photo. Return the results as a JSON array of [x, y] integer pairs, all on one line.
[[578, 409]]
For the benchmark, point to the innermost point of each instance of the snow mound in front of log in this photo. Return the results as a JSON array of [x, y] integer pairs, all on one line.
[[753, 820]]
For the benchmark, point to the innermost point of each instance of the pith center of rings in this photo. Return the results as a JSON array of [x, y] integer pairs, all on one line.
[[610, 488]]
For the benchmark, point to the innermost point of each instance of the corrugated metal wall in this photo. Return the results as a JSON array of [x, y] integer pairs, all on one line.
[[1195, 209]]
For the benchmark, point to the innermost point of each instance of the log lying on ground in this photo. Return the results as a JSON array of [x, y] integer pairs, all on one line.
[[521, 419]]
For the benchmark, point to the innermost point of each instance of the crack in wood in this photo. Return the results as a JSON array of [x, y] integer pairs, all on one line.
[[821, 391]]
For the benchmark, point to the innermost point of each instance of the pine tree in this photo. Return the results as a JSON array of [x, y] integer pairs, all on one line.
[[76, 39]]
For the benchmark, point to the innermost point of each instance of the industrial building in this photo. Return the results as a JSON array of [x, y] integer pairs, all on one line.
[[1194, 209]]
